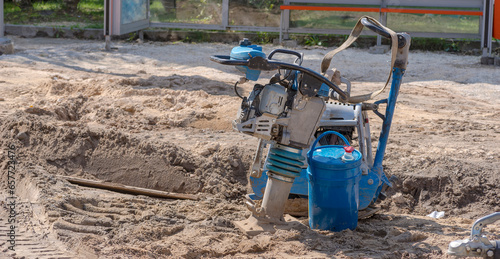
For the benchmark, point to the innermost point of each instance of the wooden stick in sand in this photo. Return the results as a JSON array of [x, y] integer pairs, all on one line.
[[129, 189]]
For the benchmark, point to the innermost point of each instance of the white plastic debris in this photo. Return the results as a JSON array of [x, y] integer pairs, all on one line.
[[436, 214]]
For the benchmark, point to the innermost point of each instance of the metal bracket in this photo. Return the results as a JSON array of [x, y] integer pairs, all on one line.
[[382, 116], [309, 85], [478, 245], [478, 226], [260, 63], [258, 163]]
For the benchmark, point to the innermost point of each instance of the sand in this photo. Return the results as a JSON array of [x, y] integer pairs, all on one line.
[[158, 115]]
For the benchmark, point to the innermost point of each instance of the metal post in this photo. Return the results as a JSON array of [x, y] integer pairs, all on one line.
[[141, 36], [6, 45], [2, 26], [490, 33], [487, 24], [382, 19], [286, 20], [225, 13], [107, 24], [281, 27], [108, 43]]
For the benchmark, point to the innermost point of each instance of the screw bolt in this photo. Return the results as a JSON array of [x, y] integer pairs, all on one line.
[[370, 181], [489, 253]]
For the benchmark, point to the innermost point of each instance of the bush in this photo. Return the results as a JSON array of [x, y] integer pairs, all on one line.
[[23, 4], [267, 5], [71, 6]]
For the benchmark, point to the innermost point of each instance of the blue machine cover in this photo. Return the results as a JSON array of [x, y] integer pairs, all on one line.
[[245, 52]]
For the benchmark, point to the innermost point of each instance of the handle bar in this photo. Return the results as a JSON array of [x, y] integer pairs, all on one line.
[[375, 28], [300, 56], [382, 32], [260, 63]]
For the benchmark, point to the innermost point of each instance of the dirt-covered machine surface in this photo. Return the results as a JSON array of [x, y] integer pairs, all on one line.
[[159, 116]]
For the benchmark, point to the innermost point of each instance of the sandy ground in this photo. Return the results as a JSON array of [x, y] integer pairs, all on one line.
[[158, 115]]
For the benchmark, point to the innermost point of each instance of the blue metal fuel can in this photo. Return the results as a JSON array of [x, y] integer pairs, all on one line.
[[333, 186]]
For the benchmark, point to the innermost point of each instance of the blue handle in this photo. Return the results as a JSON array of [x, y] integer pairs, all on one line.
[[309, 154]]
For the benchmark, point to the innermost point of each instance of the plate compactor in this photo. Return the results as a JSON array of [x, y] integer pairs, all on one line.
[[305, 120]]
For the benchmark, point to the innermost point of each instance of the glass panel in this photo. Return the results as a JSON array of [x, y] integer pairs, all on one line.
[[186, 11], [134, 11], [261, 13], [326, 19], [433, 23]]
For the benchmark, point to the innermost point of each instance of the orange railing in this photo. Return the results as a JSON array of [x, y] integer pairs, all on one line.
[[381, 10]]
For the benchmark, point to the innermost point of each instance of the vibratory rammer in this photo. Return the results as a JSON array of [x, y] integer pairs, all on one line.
[[300, 107], [304, 121]]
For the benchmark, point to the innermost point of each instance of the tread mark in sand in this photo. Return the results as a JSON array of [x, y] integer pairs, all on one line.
[[29, 243]]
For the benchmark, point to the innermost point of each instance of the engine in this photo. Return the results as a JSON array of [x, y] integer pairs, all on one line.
[[281, 114]]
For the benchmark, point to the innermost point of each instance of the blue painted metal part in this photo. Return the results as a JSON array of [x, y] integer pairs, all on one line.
[[245, 52], [259, 186], [284, 162], [286, 154], [295, 85], [324, 90], [299, 186], [368, 186], [369, 193], [397, 76]]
